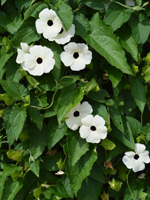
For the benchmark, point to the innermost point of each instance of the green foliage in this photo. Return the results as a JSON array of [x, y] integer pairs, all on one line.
[[40, 156]]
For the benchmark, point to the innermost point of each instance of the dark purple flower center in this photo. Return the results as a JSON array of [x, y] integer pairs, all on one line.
[[93, 128], [136, 156], [76, 113], [76, 55], [39, 60], [61, 31], [50, 23]]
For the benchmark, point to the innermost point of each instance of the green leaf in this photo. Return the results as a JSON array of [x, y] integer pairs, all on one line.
[[17, 119], [63, 13], [9, 168], [117, 15], [14, 155], [78, 172], [55, 132], [69, 97], [98, 96], [34, 10], [114, 74], [116, 117], [38, 141], [4, 56], [12, 73], [126, 138], [11, 22], [135, 125], [57, 67], [136, 187], [120, 148], [26, 33], [95, 4], [15, 90], [50, 162], [103, 40], [90, 189], [12, 188], [2, 2], [128, 42], [138, 92], [107, 144], [34, 166], [76, 146], [141, 27], [82, 26], [36, 117]]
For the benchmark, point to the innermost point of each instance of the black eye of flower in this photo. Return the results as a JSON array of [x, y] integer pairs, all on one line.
[[76, 55], [76, 113], [61, 31], [136, 156], [50, 23], [39, 60], [93, 128]]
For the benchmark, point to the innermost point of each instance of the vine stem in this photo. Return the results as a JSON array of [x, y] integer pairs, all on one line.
[[128, 184], [58, 4], [141, 118], [78, 9]]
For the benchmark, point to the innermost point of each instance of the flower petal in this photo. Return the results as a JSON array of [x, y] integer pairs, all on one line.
[[145, 156], [139, 148], [36, 51], [38, 70], [48, 65], [30, 61], [88, 120], [47, 14], [130, 153], [20, 56], [71, 47], [98, 121], [93, 137], [72, 123], [25, 47], [46, 53], [102, 131], [138, 166], [40, 26], [84, 131], [128, 161], [78, 64], [86, 108], [66, 58], [81, 47], [87, 57]]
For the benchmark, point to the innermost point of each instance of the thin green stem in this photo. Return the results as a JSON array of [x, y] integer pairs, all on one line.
[[128, 184], [58, 4], [78, 8]]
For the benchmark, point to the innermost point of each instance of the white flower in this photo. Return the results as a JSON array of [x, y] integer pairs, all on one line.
[[130, 3], [39, 60], [63, 37], [93, 128], [49, 24], [21, 52], [136, 160], [75, 115], [76, 56]]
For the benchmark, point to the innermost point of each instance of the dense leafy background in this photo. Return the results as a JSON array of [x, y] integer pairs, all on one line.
[[34, 139]]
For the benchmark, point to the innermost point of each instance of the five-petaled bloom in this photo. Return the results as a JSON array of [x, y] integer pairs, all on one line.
[[49, 24], [75, 115], [136, 160], [63, 37], [38, 61], [93, 129], [76, 55]]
